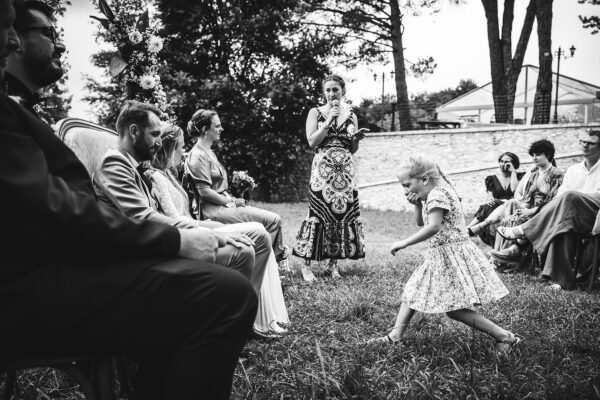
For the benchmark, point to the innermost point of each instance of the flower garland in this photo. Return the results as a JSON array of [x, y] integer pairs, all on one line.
[[133, 30]]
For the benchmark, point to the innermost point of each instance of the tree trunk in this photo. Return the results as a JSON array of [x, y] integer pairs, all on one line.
[[543, 94], [404, 119], [504, 68], [496, 60]]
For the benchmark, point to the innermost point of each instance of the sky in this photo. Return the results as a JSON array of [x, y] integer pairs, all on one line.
[[455, 37]]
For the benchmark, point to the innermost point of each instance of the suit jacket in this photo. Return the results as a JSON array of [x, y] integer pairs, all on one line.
[[61, 249], [120, 185]]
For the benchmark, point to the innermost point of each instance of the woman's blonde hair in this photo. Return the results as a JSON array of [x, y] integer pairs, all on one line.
[[163, 158]]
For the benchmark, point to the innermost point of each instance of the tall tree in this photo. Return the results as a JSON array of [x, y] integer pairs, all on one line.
[[543, 94], [592, 21], [378, 28], [505, 66]]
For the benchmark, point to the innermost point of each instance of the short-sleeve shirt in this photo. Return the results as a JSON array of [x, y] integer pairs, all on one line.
[[206, 170]]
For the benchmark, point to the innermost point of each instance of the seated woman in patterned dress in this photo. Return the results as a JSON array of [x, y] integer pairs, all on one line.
[[537, 187], [332, 229], [272, 313], [500, 187], [209, 179]]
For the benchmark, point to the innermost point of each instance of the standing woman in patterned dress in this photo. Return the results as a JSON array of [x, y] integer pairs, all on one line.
[[333, 229]]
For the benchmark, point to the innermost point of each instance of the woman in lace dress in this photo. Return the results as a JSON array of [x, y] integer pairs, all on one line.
[[174, 202], [332, 229], [455, 275]]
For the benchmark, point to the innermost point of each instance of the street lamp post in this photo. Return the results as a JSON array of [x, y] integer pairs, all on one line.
[[560, 54], [383, 77], [383, 83]]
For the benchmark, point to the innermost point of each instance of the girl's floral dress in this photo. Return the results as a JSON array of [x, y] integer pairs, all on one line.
[[455, 273]]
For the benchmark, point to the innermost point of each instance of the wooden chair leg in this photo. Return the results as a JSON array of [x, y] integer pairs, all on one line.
[[595, 261], [103, 378], [10, 385]]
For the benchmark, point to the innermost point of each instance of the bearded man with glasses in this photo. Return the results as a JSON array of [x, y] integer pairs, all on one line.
[[37, 62], [554, 231]]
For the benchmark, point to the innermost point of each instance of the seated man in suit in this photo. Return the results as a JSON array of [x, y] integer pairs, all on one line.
[[37, 63], [120, 184], [553, 232], [79, 279]]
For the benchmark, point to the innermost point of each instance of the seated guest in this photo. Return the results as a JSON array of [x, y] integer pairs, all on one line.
[[554, 231], [120, 183], [78, 278], [37, 64], [500, 187], [210, 181], [538, 187], [174, 202]]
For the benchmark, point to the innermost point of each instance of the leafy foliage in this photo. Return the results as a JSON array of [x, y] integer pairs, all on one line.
[[593, 21], [372, 30], [253, 64]]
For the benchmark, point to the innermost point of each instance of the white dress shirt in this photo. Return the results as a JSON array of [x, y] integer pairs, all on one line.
[[579, 178]]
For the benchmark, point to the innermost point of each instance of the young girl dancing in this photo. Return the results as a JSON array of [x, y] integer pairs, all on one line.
[[455, 274]]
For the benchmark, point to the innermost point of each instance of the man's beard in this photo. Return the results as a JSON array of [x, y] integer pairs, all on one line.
[[44, 76]]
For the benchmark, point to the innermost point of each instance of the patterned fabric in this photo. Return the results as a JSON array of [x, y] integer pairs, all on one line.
[[333, 228], [455, 274], [542, 186]]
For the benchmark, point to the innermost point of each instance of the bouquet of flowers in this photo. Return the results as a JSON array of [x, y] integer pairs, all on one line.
[[241, 183], [135, 34]]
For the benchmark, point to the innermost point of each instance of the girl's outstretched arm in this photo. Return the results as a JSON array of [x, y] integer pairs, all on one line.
[[433, 227]]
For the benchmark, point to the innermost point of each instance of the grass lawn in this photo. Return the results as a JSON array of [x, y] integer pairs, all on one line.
[[323, 356]]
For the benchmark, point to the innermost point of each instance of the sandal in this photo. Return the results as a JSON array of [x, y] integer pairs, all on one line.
[[506, 345], [509, 233], [307, 274], [387, 340], [476, 230]]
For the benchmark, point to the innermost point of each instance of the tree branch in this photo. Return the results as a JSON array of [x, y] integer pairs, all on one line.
[[379, 34]]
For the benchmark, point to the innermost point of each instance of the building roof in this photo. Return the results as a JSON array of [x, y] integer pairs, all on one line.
[[570, 91]]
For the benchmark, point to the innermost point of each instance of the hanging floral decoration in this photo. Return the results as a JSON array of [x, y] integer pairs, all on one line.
[[135, 34]]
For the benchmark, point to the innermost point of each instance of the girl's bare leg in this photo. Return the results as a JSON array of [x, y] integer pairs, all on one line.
[[477, 321], [402, 320]]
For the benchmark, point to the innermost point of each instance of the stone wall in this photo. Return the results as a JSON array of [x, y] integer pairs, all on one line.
[[465, 155]]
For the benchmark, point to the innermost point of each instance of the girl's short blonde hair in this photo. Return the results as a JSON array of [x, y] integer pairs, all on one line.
[[419, 166]]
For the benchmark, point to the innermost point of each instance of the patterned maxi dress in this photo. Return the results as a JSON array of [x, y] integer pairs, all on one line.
[[455, 274], [333, 228]]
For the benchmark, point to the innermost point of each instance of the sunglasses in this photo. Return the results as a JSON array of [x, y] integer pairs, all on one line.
[[47, 31]]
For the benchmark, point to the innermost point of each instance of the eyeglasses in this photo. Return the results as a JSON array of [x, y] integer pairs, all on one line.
[[48, 31], [587, 143]]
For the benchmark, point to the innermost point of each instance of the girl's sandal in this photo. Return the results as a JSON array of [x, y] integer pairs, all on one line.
[[383, 340], [505, 346]]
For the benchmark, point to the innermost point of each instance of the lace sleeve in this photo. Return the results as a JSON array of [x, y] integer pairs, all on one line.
[[160, 188]]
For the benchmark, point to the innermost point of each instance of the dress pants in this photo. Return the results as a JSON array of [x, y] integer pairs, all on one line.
[[271, 221], [251, 262], [554, 230], [183, 321]]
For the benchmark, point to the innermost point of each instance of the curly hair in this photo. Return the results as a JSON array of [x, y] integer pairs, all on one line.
[[514, 159], [545, 147], [200, 122], [163, 158]]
